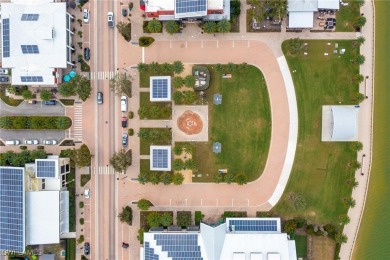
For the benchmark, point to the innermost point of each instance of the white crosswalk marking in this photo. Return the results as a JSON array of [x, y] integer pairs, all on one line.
[[78, 121], [102, 170], [102, 75]]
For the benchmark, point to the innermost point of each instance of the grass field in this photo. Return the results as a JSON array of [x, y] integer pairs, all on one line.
[[301, 245], [320, 169], [71, 249], [242, 124], [346, 16], [164, 138], [372, 240]]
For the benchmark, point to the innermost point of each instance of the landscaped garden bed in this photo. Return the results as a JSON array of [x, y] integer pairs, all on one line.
[[153, 136], [153, 110], [35, 122]]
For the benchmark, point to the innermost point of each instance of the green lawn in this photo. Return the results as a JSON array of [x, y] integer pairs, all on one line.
[[346, 16], [372, 240], [145, 77], [320, 169], [301, 245], [163, 137], [164, 108], [71, 249], [9, 101], [242, 124]]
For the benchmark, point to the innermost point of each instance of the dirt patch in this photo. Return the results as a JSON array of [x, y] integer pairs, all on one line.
[[321, 248], [190, 123]]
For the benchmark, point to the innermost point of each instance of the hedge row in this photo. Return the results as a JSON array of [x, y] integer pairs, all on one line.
[[35, 122]]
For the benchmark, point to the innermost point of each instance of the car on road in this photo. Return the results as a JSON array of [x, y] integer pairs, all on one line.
[[110, 19], [4, 79], [86, 193], [32, 102], [87, 54], [124, 139], [30, 142], [124, 121], [124, 12], [100, 98], [123, 103], [86, 16], [3, 71], [50, 142], [50, 103], [12, 142], [87, 248]]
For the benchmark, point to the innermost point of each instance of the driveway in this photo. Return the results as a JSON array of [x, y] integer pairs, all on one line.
[[32, 109]]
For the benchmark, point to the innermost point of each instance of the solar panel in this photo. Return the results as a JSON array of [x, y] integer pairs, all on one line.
[[30, 17], [30, 49], [253, 225], [31, 78], [46, 169], [190, 6], [12, 209], [160, 158], [6, 38], [179, 246], [149, 253], [160, 88]]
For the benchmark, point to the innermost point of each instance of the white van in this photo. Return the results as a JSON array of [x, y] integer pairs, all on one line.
[[123, 103], [12, 142]]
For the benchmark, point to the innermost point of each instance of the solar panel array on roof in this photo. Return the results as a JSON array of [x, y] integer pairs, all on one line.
[[31, 78], [190, 6], [30, 17], [149, 253], [12, 209], [6, 38], [30, 49], [253, 225], [160, 88], [179, 246], [46, 169], [160, 158]]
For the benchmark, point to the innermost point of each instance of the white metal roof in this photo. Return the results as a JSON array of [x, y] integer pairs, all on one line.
[[152, 6], [42, 217], [329, 4], [48, 32], [302, 5], [300, 20], [345, 123]]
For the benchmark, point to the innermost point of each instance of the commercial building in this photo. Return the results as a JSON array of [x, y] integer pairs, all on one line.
[[34, 204], [188, 9], [237, 238], [36, 40], [301, 12]]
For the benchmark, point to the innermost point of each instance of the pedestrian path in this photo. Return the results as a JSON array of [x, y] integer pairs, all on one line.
[[102, 75], [78, 121], [102, 170]]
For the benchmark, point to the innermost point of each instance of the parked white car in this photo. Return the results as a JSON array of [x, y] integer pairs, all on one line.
[[50, 142], [12, 142], [30, 142], [86, 16], [86, 193], [110, 19], [123, 103]]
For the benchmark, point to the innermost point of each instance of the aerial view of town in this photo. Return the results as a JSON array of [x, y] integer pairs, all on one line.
[[194, 129]]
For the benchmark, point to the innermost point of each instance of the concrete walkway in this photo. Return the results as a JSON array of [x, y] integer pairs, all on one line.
[[365, 132]]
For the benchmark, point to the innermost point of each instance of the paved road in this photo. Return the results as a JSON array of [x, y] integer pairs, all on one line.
[[31, 109]]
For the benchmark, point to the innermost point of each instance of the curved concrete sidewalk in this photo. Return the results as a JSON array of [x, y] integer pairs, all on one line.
[[264, 192]]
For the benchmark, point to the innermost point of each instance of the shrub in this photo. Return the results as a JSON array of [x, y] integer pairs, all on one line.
[[184, 218], [35, 122], [177, 150], [234, 214], [23, 147], [143, 178], [145, 41], [140, 235], [166, 219], [289, 226], [230, 177], [144, 204], [126, 216], [210, 27], [154, 26], [130, 132], [80, 239], [241, 179], [81, 221], [125, 30], [172, 27], [131, 115], [217, 178], [198, 217], [153, 219], [81, 204], [344, 219]]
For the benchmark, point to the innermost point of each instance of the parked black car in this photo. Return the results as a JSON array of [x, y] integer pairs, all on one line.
[[87, 54], [87, 248], [124, 12]]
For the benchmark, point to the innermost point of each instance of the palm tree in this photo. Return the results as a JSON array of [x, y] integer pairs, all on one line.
[[143, 178], [217, 178], [178, 164], [355, 165], [178, 67], [177, 178], [349, 202], [153, 219], [166, 219], [229, 177], [341, 238], [142, 67], [219, 67], [358, 146], [344, 219], [231, 67], [360, 22], [154, 67], [166, 68], [178, 82], [45, 95], [189, 81], [358, 78], [172, 27], [243, 67], [166, 178], [241, 179], [190, 164], [154, 26], [154, 178], [210, 27], [224, 26], [360, 40], [177, 150], [360, 59]]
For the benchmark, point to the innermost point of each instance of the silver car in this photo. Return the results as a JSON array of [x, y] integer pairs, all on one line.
[[49, 142], [30, 142]]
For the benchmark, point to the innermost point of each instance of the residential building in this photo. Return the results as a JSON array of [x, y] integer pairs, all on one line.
[[36, 41], [188, 10], [237, 238], [34, 204]]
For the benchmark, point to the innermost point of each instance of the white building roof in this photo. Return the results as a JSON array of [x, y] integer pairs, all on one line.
[[345, 123], [46, 32], [152, 6], [302, 5], [42, 217], [160, 158], [160, 88], [329, 4], [300, 20]]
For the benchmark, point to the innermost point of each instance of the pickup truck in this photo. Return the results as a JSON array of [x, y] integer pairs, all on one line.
[[110, 16]]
